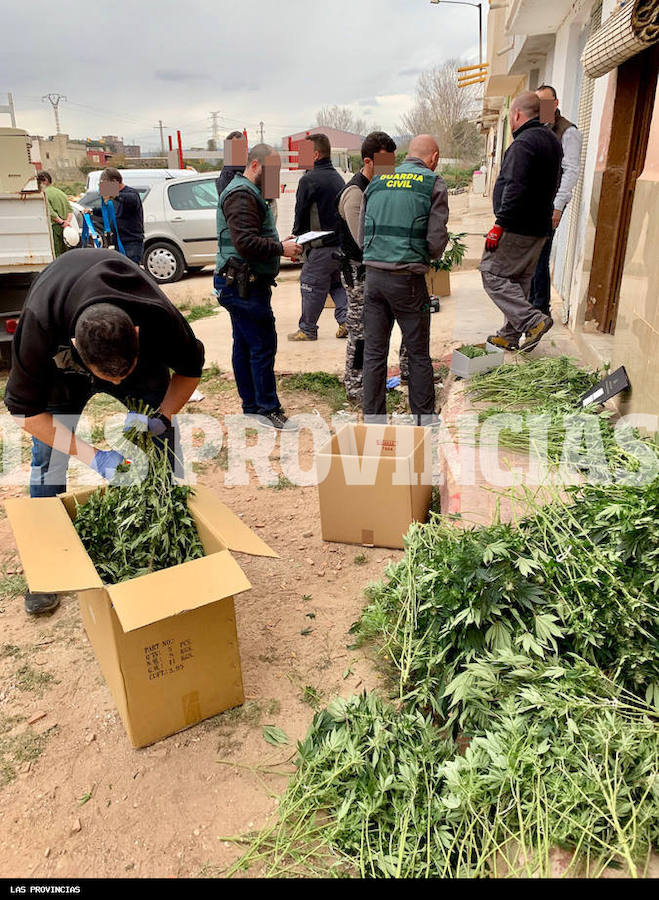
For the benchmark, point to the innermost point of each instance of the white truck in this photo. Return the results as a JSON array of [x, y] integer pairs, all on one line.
[[26, 241]]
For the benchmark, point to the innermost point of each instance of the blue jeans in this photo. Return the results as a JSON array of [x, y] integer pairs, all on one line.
[[540, 295], [254, 345], [134, 250], [320, 276]]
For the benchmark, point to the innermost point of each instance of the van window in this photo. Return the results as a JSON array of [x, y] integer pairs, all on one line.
[[193, 195]]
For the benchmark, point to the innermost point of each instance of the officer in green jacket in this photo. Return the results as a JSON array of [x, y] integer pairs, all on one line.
[[403, 226], [249, 251]]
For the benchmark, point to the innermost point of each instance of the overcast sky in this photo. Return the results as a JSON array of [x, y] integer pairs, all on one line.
[[125, 68]]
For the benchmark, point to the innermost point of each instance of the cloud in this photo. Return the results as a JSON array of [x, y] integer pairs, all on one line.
[[177, 75], [410, 72]]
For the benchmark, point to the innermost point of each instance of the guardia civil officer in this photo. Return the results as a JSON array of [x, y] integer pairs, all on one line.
[[354, 273], [248, 256], [403, 226], [94, 322]]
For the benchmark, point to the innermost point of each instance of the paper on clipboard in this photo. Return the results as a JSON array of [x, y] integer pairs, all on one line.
[[311, 236]]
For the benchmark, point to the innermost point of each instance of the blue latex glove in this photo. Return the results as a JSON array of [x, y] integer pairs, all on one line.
[[105, 462], [156, 425], [393, 382]]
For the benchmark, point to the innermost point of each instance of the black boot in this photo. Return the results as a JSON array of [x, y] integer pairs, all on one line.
[[40, 603]]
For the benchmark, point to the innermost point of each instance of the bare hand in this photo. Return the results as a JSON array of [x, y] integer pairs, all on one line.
[[556, 217], [292, 249]]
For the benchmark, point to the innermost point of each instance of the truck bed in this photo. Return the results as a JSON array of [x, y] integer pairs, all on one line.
[[25, 234]]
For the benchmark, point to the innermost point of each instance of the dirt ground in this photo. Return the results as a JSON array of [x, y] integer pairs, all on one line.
[[77, 799]]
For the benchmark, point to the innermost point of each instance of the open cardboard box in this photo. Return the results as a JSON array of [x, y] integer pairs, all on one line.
[[378, 481], [166, 642]]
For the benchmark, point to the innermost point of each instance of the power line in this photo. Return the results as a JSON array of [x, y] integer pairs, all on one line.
[[55, 100], [160, 127], [216, 128]]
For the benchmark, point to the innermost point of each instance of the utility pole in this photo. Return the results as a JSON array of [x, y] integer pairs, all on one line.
[[9, 109], [261, 130], [160, 127], [215, 126], [55, 100]]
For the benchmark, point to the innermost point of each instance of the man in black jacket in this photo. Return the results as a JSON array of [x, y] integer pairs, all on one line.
[[128, 210], [523, 203], [229, 171], [94, 322], [316, 210]]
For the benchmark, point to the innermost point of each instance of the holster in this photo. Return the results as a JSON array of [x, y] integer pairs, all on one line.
[[237, 274]]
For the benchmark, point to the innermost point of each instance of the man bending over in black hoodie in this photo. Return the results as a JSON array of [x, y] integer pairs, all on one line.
[[94, 322]]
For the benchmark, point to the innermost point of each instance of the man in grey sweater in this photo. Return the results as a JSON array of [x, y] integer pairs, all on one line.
[[402, 227]]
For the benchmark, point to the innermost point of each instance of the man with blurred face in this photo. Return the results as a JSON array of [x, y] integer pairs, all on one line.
[[376, 145], [248, 256], [402, 227], [523, 200], [570, 138]]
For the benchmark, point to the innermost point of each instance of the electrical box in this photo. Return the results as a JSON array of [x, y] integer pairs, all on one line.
[[17, 173]]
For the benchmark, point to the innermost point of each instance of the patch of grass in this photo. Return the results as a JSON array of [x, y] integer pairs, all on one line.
[[328, 387], [16, 749], [211, 371], [251, 713], [8, 650], [361, 559], [281, 484], [306, 598], [29, 679], [200, 312], [396, 401], [12, 586], [312, 696]]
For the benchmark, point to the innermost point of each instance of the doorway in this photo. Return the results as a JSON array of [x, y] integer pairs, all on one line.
[[632, 114]]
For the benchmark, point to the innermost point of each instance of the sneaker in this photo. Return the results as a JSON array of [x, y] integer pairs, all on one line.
[[40, 603], [342, 331], [497, 341], [277, 419], [299, 335], [534, 335]]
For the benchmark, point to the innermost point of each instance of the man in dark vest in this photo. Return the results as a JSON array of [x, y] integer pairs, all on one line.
[[315, 210], [523, 199], [570, 138], [354, 273], [248, 257], [403, 226]]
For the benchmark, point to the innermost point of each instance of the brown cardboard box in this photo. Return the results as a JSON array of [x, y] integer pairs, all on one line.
[[166, 642], [378, 481], [438, 282]]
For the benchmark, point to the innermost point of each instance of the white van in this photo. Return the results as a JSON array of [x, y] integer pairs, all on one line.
[[139, 177]]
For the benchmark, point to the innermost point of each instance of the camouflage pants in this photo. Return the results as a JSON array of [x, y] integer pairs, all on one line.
[[355, 343]]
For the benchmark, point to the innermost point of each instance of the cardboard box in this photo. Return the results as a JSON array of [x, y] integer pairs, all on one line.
[[438, 282], [166, 642], [464, 367], [378, 480]]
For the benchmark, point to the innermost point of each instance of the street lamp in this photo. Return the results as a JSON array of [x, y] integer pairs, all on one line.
[[479, 6]]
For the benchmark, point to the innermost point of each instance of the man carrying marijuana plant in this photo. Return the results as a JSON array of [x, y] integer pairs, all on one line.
[[94, 322]]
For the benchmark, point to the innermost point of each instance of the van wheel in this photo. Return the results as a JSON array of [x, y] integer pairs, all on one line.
[[164, 262]]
